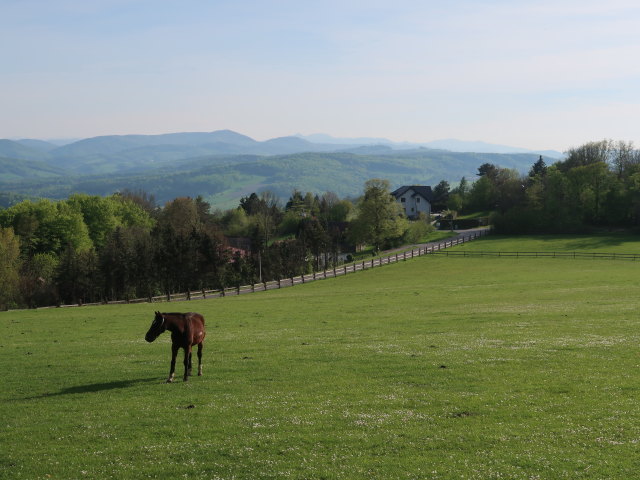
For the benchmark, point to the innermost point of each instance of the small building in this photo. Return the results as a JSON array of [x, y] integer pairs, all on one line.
[[415, 199]]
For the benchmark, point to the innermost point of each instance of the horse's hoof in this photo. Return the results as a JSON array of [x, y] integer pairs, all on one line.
[[169, 380], [199, 374]]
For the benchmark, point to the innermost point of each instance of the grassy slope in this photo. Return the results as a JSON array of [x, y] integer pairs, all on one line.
[[343, 378]]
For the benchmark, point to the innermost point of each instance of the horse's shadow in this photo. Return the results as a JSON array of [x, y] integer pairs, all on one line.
[[97, 387]]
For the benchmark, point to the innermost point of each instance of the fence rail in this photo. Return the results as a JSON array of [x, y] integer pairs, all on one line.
[[334, 272]]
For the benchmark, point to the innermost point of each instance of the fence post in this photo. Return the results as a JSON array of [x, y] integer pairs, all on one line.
[[279, 285]]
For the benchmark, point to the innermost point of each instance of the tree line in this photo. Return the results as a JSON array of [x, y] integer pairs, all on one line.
[[597, 185], [89, 249]]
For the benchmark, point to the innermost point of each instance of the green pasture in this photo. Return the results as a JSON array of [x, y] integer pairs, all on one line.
[[620, 242], [437, 367]]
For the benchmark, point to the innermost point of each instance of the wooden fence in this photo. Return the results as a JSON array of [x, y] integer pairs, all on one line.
[[440, 248], [334, 272]]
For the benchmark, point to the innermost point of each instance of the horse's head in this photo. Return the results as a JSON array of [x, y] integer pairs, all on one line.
[[157, 327]]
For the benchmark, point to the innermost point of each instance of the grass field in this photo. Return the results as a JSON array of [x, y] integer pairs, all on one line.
[[431, 368], [600, 243]]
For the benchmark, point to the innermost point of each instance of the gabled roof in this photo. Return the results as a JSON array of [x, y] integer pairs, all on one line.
[[422, 190]]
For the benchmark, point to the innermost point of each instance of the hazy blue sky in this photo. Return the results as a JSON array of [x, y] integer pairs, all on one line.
[[534, 74]]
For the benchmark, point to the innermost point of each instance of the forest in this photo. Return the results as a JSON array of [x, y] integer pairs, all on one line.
[[91, 248], [596, 185]]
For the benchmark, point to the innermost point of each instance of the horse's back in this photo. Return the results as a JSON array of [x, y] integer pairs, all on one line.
[[195, 317]]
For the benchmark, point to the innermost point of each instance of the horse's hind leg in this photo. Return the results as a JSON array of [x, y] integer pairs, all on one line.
[[190, 364], [187, 362], [200, 345]]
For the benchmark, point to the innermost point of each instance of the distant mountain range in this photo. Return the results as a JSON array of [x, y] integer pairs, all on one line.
[[452, 145], [224, 165]]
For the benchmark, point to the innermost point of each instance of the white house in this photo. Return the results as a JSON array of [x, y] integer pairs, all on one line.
[[415, 199]]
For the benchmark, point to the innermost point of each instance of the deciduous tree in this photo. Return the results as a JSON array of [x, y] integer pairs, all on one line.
[[379, 215]]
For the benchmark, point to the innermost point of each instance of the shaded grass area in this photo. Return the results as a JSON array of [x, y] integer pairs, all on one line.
[[432, 368], [622, 242]]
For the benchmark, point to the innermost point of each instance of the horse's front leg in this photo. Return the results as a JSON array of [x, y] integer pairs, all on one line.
[[174, 354], [187, 362], [200, 345]]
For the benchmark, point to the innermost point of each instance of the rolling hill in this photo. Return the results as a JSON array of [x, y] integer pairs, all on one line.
[[223, 180], [17, 170], [18, 150], [223, 166], [114, 154]]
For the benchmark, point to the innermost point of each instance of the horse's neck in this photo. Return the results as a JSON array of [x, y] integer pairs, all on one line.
[[173, 325]]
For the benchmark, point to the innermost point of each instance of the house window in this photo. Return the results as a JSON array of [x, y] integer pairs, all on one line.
[[402, 200], [411, 209], [418, 200]]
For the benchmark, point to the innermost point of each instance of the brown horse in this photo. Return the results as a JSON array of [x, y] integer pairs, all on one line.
[[187, 330]]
